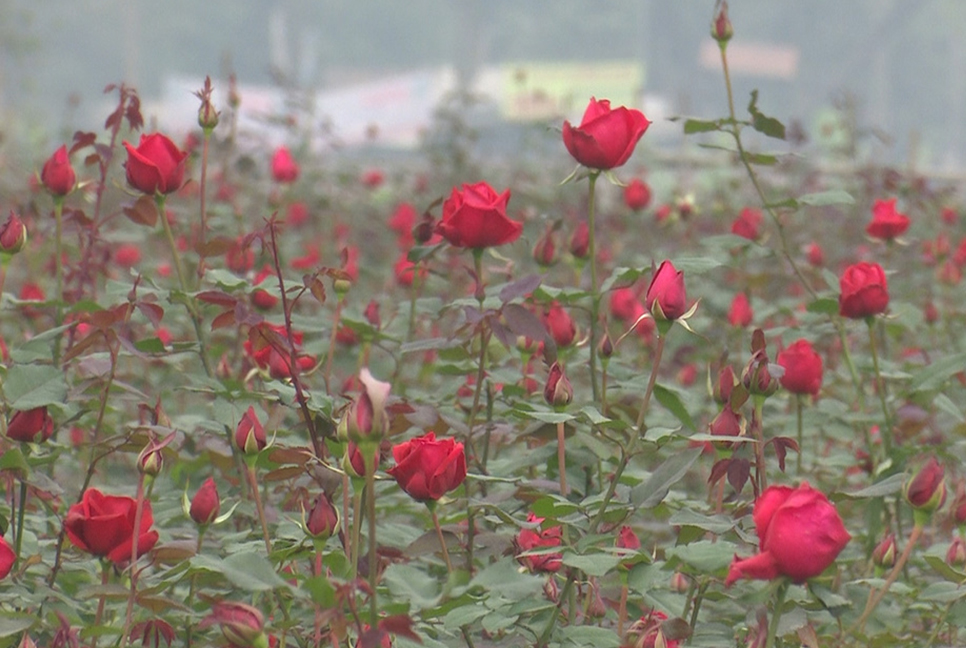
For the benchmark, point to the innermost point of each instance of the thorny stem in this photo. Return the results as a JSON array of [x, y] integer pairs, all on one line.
[[138, 513], [594, 288], [880, 390], [340, 300], [259, 508], [876, 597]]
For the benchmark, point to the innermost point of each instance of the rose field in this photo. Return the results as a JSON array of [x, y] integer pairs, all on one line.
[[288, 395]]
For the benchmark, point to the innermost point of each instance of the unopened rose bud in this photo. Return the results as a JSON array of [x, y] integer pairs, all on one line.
[[956, 555], [606, 348], [206, 504], [727, 423], [13, 235], [558, 390], [884, 554], [580, 241], [207, 115], [150, 460], [323, 519], [242, 625], [926, 489], [30, 426], [545, 249], [366, 418], [250, 435], [721, 392], [680, 583], [721, 29]]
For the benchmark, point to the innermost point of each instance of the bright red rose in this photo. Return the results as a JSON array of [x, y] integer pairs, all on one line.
[[864, 290], [748, 224], [206, 504], [103, 525], [156, 166], [637, 195], [740, 313], [127, 255], [803, 368], [58, 175], [7, 558], [560, 325], [427, 468], [799, 532], [33, 425], [475, 217], [606, 137], [284, 167], [665, 298], [533, 539], [887, 223], [263, 299], [816, 256]]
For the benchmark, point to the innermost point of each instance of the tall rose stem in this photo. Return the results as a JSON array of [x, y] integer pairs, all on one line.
[[355, 543], [335, 328], [22, 504], [758, 432], [776, 614], [202, 189], [368, 454], [622, 610], [562, 458], [880, 390], [439, 534], [59, 267], [800, 431], [876, 597], [99, 615], [594, 288], [259, 509], [138, 513], [853, 372]]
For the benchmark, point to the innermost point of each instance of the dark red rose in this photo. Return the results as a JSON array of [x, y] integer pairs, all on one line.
[[206, 504], [864, 290], [799, 533], [58, 175], [241, 624], [33, 425], [7, 558], [103, 525], [323, 519], [606, 137], [926, 489], [284, 167], [558, 391], [427, 468], [156, 166], [13, 234], [580, 241], [803, 368], [887, 223], [665, 298], [475, 217], [637, 195], [533, 539]]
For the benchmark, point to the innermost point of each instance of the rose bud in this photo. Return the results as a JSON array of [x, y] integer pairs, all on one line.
[[721, 29], [323, 519], [13, 235], [30, 426], [250, 435], [560, 325], [474, 216], [150, 459], [665, 298], [354, 464], [815, 255], [926, 489], [864, 291], [284, 167], [884, 554], [637, 195], [803, 368], [757, 376], [532, 539], [740, 313], [57, 175], [242, 625], [7, 558], [606, 347], [206, 504], [727, 423], [887, 223], [545, 249], [580, 241], [427, 468], [725, 384], [606, 137], [680, 583], [372, 314], [366, 419], [747, 224], [558, 390], [956, 554]]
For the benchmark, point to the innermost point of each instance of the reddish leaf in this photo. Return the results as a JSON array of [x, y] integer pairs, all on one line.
[[82, 139], [400, 624], [143, 212], [738, 472], [217, 297], [782, 444], [153, 312], [227, 318], [215, 247], [82, 345], [718, 471], [316, 287]]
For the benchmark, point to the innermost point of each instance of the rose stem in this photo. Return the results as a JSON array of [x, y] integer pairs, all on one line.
[[798, 421], [20, 516], [776, 614], [562, 458], [439, 534], [876, 597], [105, 576], [622, 611], [204, 211], [368, 455], [594, 290], [758, 432], [253, 484], [335, 327], [880, 390], [59, 265], [354, 544], [138, 512]]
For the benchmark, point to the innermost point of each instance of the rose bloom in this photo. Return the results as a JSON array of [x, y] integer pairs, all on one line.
[[284, 167], [665, 297], [427, 468], [803, 368], [103, 525], [156, 166], [605, 137], [58, 175], [637, 195], [33, 425], [864, 290], [887, 223], [531, 539], [475, 217], [800, 534], [748, 224]]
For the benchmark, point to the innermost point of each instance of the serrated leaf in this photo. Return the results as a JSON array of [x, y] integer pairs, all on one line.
[[520, 288], [692, 126], [762, 123], [717, 524], [597, 564], [550, 417], [29, 386], [655, 489], [672, 402], [12, 625], [945, 570], [888, 486]]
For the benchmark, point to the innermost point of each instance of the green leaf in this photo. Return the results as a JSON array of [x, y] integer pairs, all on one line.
[[594, 415], [464, 615], [945, 570], [655, 489], [825, 198], [15, 624], [672, 402], [942, 593], [705, 556], [762, 123], [764, 159], [248, 571], [692, 126], [549, 417], [621, 277], [585, 635], [28, 386], [597, 564], [408, 583], [714, 523], [888, 486], [824, 305], [936, 374]]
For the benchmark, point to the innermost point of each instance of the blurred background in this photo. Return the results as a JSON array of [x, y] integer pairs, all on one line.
[[885, 79]]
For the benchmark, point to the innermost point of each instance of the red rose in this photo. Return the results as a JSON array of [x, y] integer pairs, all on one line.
[[560, 325], [127, 255], [249, 433], [156, 165], [803, 368], [799, 532], [475, 217], [740, 313], [354, 463], [864, 291], [816, 256], [605, 138], [637, 195], [748, 224], [887, 223], [263, 299], [427, 468], [665, 298], [7, 558], [532, 539], [206, 504], [580, 241], [402, 222], [13, 234], [104, 526], [323, 519], [33, 425], [926, 489], [240, 624], [58, 175], [558, 391], [284, 167]]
